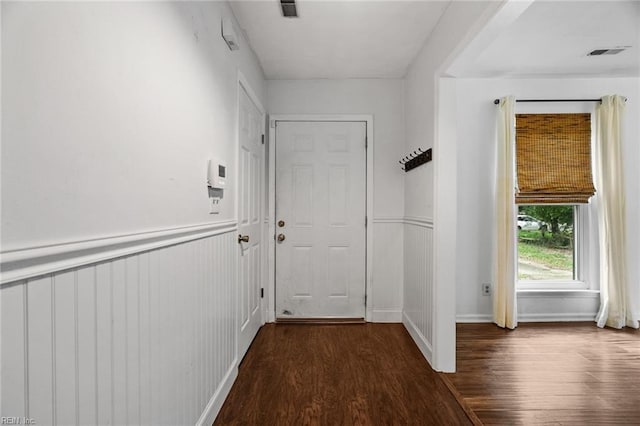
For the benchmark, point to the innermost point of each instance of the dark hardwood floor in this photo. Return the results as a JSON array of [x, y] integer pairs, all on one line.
[[373, 374], [368, 374], [548, 374]]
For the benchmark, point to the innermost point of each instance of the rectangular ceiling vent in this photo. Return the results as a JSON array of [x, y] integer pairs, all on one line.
[[289, 9], [611, 51]]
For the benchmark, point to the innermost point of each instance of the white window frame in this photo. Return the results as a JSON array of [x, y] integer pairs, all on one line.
[[580, 259]]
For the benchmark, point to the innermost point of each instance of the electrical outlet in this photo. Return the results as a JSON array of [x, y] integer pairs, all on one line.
[[486, 289]]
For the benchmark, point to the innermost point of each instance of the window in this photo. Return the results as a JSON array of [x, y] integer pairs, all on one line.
[[554, 183], [547, 243]]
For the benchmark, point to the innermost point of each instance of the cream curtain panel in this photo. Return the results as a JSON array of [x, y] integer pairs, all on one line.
[[504, 294], [616, 306]]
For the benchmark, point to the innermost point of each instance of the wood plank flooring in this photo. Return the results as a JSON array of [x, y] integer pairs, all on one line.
[[369, 374], [543, 374]]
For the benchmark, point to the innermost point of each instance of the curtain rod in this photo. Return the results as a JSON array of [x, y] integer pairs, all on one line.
[[497, 101]]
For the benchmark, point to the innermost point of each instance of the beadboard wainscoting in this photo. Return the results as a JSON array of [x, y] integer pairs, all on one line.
[[148, 337], [387, 270], [418, 282]]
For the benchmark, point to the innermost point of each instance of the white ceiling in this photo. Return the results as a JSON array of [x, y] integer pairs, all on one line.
[[552, 38], [379, 39], [338, 39]]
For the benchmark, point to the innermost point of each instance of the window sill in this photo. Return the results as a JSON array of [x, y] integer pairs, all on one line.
[[591, 294], [550, 285]]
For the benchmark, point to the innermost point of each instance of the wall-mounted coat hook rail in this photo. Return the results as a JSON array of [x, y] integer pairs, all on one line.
[[415, 159], [411, 156]]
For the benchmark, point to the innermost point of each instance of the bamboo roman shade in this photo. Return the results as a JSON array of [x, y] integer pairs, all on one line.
[[553, 158]]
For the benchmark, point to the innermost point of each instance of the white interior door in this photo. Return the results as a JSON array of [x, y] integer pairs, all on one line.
[[250, 162], [320, 219]]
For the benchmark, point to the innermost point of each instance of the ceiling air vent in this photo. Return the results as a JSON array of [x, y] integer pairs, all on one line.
[[610, 51], [289, 9]]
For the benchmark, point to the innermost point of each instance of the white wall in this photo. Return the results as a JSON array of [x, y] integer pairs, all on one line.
[[476, 164], [380, 97], [384, 100], [110, 112], [421, 95], [430, 200]]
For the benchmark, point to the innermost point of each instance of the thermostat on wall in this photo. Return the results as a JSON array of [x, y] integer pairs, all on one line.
[[216, 174]]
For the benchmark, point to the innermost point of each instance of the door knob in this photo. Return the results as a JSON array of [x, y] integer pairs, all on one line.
[[281, 223], [280, 238], [243, 239]]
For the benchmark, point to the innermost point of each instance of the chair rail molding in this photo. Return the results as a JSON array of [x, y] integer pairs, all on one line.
[[388, 219], [425, 222], [29, 262]]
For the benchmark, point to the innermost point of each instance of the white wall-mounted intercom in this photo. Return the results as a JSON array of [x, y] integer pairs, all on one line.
[[216, 174]]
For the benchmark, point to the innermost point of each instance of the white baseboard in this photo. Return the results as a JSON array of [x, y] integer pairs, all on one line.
[[419, 339], [474, 318], [557, 317], [386, 315], [215, 403], [522, 317], [543, 317]]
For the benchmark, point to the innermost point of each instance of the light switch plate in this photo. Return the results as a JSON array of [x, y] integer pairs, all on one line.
[[214, 205]]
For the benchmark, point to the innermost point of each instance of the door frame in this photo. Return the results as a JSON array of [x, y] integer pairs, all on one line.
[[243, 84], [271, 217]]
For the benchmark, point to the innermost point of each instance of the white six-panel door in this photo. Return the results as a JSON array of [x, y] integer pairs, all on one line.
[[320, 219], [249, 212]]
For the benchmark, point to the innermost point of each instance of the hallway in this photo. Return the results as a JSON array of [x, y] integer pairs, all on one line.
[[338, 374], [149, 231]]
